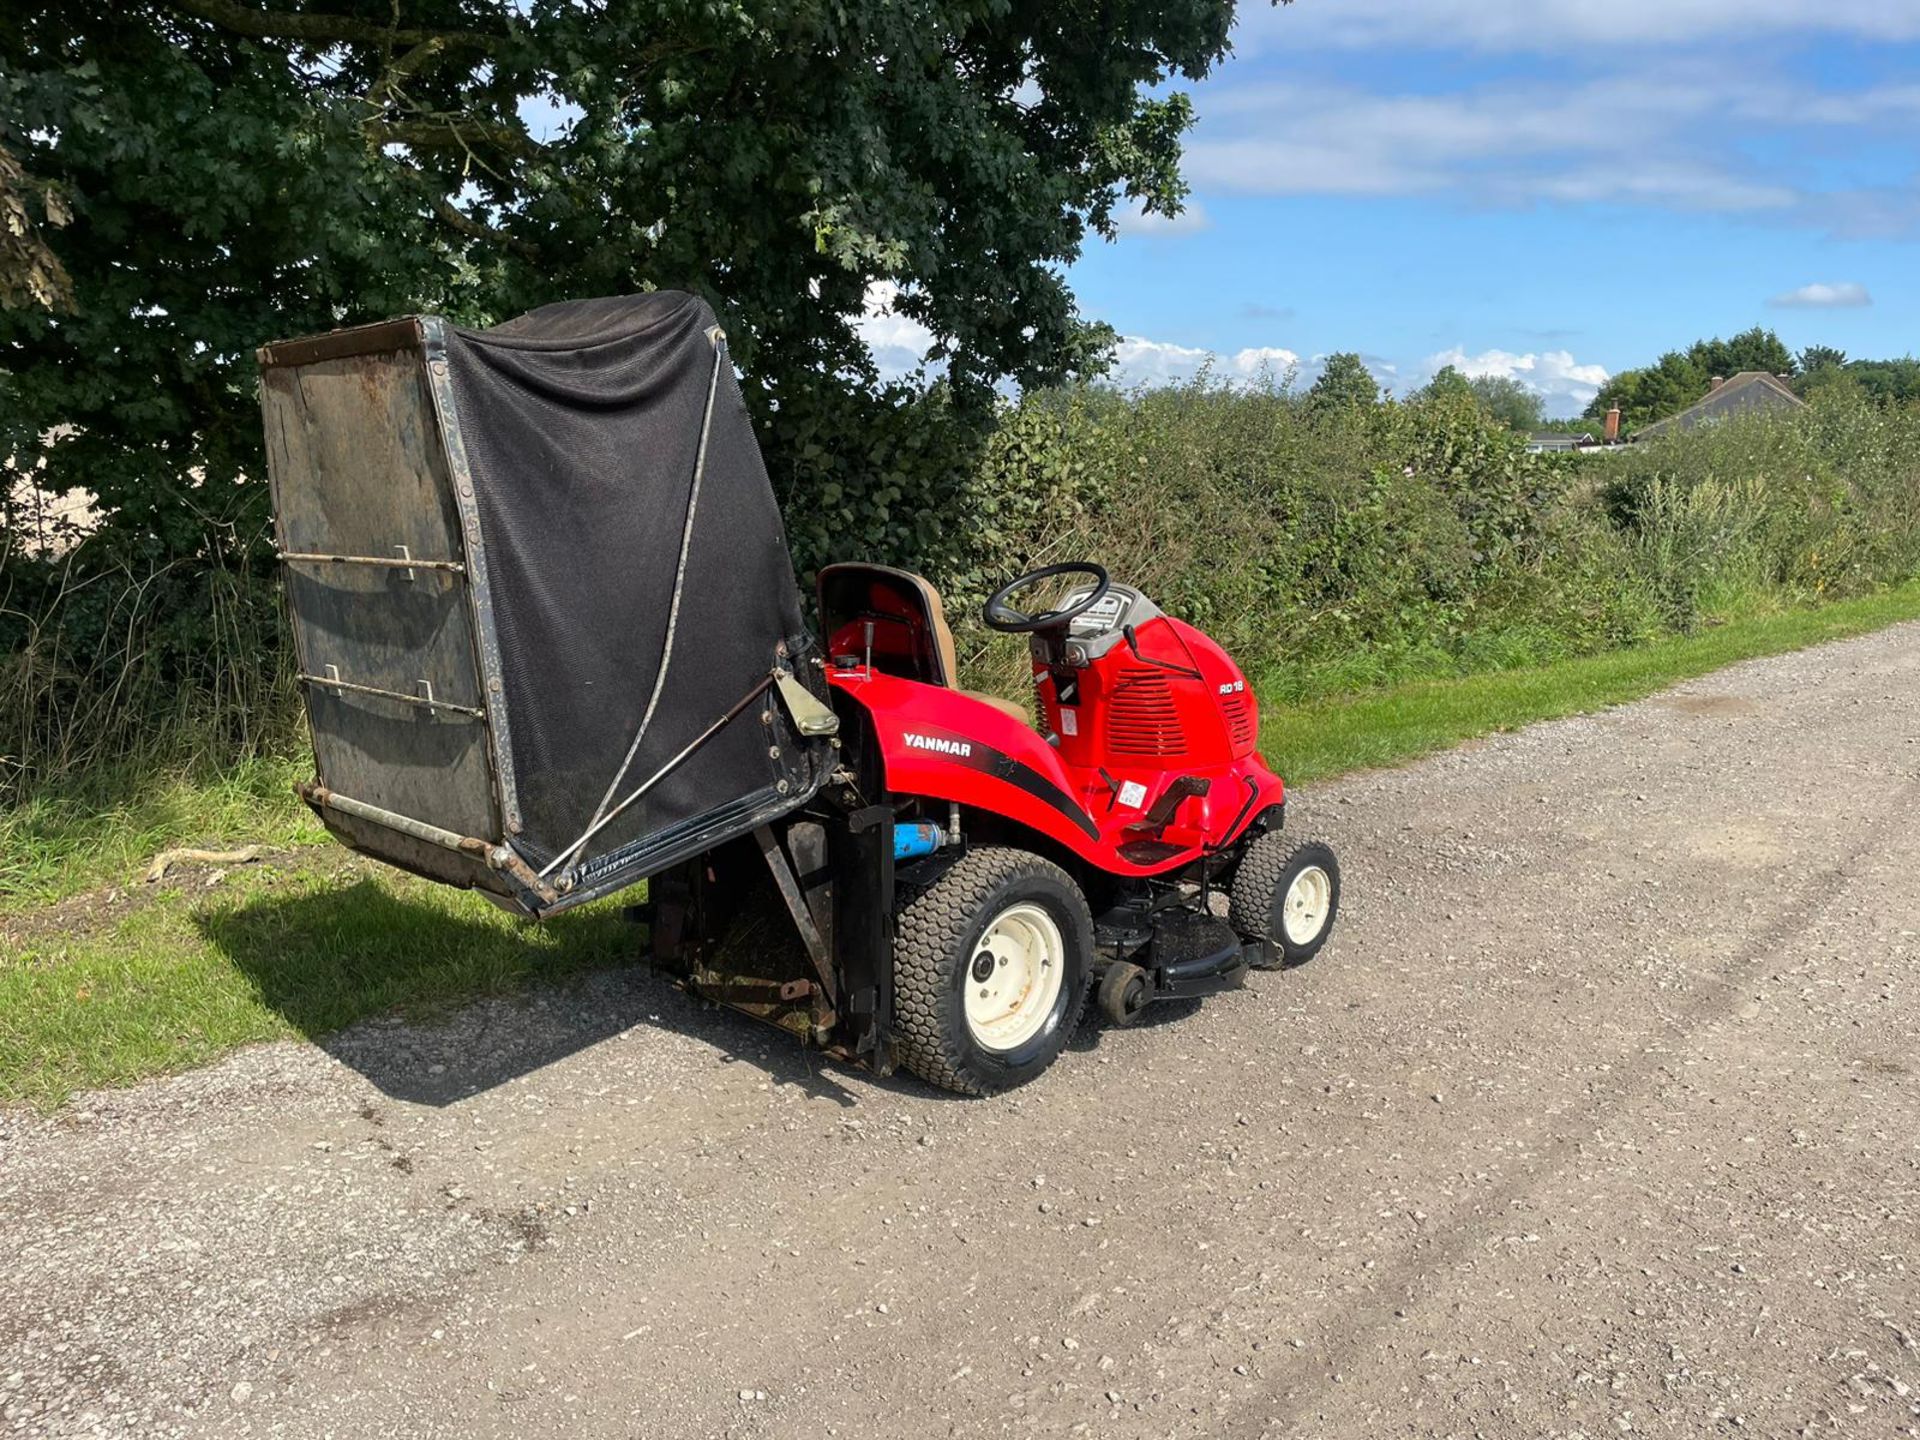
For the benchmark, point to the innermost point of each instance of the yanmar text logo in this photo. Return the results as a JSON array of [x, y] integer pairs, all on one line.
[[960, 749]]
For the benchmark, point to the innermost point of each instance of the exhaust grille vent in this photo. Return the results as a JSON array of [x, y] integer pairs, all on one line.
[[1141, 719], [1239, 715]]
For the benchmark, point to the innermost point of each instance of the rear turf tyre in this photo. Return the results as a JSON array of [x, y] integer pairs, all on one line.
[[1287, 893], [990, 970]]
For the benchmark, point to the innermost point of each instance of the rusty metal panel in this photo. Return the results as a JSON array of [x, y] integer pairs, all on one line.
[[479, 581], [417, 857], [360, 472], [371, 476]]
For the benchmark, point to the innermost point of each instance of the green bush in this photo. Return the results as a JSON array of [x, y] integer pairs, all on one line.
[[1758, 511], [118, 655], [1343, 548], [1295, 533], [1330, 547]]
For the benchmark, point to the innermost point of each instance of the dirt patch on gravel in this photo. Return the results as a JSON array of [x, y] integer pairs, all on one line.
[[1714, 706]]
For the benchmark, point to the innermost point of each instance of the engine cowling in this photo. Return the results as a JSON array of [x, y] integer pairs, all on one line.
[[1173, 700]]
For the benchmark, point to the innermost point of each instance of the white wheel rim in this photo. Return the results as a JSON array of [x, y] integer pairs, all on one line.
[[1014, 977], [1303, 915]]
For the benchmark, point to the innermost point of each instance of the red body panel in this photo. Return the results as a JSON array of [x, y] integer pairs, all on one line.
[[1145, 726]]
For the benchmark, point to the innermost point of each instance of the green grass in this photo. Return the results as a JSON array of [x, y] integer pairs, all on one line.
[[1320, 738], [93, 993], [161, 981], [106, 830]]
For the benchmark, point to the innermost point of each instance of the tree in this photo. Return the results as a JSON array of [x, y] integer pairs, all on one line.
[[1755, 349], [31, 275], [1509, 401], [1816, 358], [237, 170], [1501, 396], [1664, 388], [1447, 382], [1345, 383], [1680, 378], [1890, 382]]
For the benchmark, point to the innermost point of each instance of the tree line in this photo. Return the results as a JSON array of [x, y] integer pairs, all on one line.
[[1681, 378], [1345, 381], [1677, 380]]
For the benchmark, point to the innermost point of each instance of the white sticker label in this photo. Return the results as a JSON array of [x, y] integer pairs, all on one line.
[[1133, 794], [940, 745], [1069, 722]]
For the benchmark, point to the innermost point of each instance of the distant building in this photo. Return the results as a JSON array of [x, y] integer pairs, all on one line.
[[1748, 393], [1549, 441]]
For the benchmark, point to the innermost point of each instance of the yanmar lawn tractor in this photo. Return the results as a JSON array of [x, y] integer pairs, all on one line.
[[551, 645]]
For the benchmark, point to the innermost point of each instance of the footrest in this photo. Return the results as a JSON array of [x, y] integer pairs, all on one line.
[[1186, 787]]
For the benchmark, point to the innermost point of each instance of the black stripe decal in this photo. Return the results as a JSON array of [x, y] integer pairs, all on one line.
[[971, 753]]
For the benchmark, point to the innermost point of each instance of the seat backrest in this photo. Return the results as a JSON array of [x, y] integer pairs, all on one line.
[[911, 635]]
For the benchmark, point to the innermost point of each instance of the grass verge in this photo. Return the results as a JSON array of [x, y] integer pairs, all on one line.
[[1321, 738], [106, 830], [107, 987]]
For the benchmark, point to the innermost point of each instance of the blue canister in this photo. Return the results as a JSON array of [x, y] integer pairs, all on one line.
[[915, 838]]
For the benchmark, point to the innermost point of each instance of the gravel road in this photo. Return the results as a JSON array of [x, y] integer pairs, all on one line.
[[1598, 1115]]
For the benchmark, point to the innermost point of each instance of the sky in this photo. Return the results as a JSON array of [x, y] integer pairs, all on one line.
[[1549, 189]]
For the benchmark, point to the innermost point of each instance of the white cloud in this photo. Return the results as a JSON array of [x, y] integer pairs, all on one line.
[[899, 344], [1647, 137], [1192, 219], [1847, 295], [1268, 358], [1672, 131], [1677, 184], [1139, 361], [1553, 26], [1554, 375]]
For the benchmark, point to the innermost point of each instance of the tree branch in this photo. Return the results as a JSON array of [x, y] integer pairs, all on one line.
[[325, 29], [419, 56], [458, 220], [451, 132]]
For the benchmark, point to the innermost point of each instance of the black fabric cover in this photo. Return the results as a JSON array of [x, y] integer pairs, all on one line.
[[582, 425]]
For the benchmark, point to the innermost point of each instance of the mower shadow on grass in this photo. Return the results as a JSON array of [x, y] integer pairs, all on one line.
[[434, 1006]]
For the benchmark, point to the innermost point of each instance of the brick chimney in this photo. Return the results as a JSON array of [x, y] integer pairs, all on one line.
[[1718, 381], [1613, 426]]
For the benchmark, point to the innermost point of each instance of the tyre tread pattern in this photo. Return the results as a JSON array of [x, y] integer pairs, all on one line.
[[926, 929], [1256, 885]]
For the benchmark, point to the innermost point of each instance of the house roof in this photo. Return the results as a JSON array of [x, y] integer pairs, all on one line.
[[1745, 393]]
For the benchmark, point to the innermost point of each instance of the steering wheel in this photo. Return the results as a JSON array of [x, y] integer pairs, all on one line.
[[1001, 616]]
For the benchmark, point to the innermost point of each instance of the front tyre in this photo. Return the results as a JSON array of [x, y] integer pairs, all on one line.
[[1287, 893], [990, 970]]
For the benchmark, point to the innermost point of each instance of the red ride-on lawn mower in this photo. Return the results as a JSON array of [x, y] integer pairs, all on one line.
[[1031, 860], [551, 646]]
